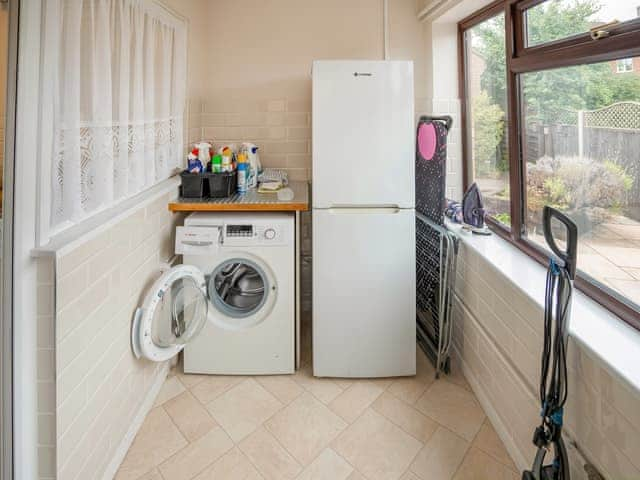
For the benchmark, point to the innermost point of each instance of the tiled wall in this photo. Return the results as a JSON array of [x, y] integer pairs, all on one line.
[[451, 107], [497, 334], [281, 127], [46, 375], [101, 388]]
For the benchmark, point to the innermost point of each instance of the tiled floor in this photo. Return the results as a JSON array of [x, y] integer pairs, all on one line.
[[301, 427]]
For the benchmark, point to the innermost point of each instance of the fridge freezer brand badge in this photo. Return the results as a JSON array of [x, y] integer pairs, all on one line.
[[362, 74]]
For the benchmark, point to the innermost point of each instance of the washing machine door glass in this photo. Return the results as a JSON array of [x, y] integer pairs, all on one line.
[[238, 288], [180, 315], [174, 311]]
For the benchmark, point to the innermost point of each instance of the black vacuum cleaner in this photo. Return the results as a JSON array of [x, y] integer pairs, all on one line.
[[553, 379]]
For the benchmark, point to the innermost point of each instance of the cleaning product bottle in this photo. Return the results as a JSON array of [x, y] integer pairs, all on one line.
[[242, 169], [254, 163], [216, 164]]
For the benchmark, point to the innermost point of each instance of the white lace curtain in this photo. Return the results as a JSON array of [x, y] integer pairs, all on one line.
[[114, 78]]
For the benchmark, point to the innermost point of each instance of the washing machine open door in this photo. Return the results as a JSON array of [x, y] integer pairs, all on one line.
[[173, 312]]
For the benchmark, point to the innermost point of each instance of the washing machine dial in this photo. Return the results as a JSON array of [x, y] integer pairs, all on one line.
[[269, 234]]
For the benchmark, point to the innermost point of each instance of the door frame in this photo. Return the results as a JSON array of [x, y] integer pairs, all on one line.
[[6, 316]]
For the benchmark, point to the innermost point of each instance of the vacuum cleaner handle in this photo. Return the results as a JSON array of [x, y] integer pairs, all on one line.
[[444, 118], [568, 256]]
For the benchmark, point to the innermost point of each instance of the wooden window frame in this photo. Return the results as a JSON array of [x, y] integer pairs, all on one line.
[[623, 42]]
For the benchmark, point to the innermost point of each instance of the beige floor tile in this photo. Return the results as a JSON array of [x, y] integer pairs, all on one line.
[[356, 399], [189, 415], [214, 386], [376, 447], [383, 383], [477, 465], [234, 465], [282, 387], [152, 475], [305, 427], [171, 388], [409, 389], [197, 456], [405, 416], [489, 442], [456, 376], [243, 408], [323, 389], [410, 476], [269, 457], [356, 475], [156, 441], [343, 383], [328, 465], [190, 380], [454, 407], [441, 456]]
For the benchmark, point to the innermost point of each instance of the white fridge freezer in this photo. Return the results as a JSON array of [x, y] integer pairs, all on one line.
[[363, 219]]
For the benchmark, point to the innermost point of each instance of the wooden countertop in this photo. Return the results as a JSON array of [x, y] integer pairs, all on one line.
[[250, 202]]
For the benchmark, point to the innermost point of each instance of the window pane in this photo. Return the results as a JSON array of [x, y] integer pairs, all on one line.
[[582, 152], [558, 19], [487, 107]]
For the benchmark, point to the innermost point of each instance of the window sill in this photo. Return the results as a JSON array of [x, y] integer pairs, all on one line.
[[98, 223], [598, 330]]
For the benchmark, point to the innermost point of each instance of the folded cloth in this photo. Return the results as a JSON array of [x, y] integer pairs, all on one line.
[[270, 186]]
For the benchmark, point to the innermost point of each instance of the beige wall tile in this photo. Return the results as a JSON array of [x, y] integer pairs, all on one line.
[[298, 119], [71, 286]]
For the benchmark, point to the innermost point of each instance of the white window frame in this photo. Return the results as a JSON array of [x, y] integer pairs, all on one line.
[[624, 65]]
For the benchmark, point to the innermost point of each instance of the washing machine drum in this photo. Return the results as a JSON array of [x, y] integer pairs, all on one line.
[[238, 288]]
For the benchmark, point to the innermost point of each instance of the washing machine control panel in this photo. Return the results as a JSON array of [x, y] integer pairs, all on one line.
[[252, 234]]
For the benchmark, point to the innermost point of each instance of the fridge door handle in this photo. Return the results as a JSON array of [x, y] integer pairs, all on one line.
[[364, 210]]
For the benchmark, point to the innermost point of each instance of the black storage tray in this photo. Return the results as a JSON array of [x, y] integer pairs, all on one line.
[[192, 185], [220, 185]]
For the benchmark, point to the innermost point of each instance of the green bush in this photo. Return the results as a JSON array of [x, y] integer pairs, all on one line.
[[488, 130]]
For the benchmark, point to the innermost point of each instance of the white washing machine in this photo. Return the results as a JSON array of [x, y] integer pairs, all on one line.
[[231, 304]]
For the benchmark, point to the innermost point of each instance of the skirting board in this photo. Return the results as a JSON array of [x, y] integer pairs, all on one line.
[[123, 448]]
